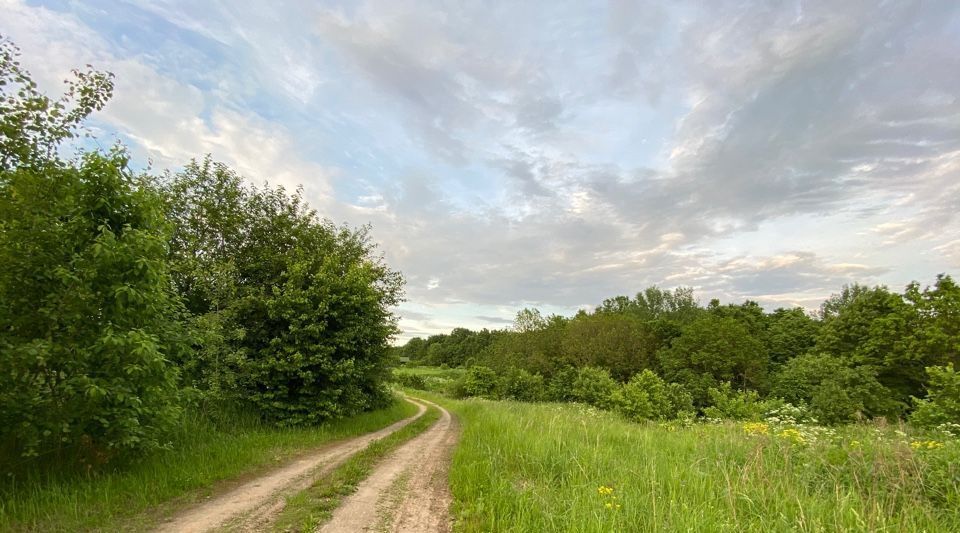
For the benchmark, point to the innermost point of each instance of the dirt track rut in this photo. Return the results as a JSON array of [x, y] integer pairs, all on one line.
[[254, 502], [408, 492]]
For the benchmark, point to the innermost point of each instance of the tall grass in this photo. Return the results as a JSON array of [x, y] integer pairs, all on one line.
[[549, 467], [203, 455]]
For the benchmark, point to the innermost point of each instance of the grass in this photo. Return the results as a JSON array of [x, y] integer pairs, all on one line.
[[553, 467], [430, 371], [203, 456], [428, 378], [308, 509]]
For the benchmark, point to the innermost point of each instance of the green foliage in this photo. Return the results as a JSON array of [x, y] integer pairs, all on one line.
[[593, 386], [713, 349], [90, 320], [413, 381], [90, 323], [726, 403], [647, 397], [942, 404], [480, 381], [298, 309], [518, 384], [836, 390], [32, 125], [560, 386], [617, 342], [869, 328], [790, 333], [935, 336]]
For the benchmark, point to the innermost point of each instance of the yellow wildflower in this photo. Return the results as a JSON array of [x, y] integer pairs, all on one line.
[[792, 435], [756, 428]]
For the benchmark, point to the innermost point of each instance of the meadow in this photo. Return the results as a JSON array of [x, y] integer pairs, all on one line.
[[569, 467], [204, 456]]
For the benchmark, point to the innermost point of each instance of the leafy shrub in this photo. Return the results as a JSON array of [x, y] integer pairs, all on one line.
[[90, 320], [835, 390], [942, 404], [480, 381], [560, 388], [413, 381], [647, 397], [594, 386], [518, 384], [304, 305], [728, 403]]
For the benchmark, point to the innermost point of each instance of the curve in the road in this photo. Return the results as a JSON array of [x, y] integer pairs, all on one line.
[[260, 497], [407, 492]]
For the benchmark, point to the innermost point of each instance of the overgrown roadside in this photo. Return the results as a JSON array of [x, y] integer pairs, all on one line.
[[260, 498], [207, 458]]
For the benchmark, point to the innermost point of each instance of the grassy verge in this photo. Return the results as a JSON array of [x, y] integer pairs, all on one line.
[[552, 467], [308, 509], [135, 496]]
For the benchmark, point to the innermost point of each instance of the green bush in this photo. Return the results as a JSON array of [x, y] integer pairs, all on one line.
[[90, 320], [480, 381], [942, 404], [836, 391], [89, 323], [560, 387], [518, 384], [303, 306], [594, 386], [413, 381], [647, 397], [730, 404]]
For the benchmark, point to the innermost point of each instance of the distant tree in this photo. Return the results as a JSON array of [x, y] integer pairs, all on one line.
[[714, 349], [528, 320], [790, 333], [836, 389], [621, 343], [871, 329], [934, 338]]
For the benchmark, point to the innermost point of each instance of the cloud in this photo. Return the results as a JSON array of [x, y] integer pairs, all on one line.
[[556, 154]]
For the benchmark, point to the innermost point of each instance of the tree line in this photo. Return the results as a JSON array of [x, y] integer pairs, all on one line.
[[867, 352], [128, 297]]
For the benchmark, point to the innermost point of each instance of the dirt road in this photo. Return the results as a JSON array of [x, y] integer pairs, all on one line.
[[252, 505], [408, 491]]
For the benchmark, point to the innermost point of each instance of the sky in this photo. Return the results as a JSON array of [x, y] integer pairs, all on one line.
[[554, 154]]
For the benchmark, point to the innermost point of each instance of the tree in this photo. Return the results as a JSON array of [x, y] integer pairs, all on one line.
[[836, 390], [32, 125], [89, 323], [714, 349], [871, 329], [935, 336], [790, 333], [304, 305], [622, 344]]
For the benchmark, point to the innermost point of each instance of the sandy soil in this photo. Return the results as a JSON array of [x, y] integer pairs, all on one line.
[[408, 491], [251, 505]]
